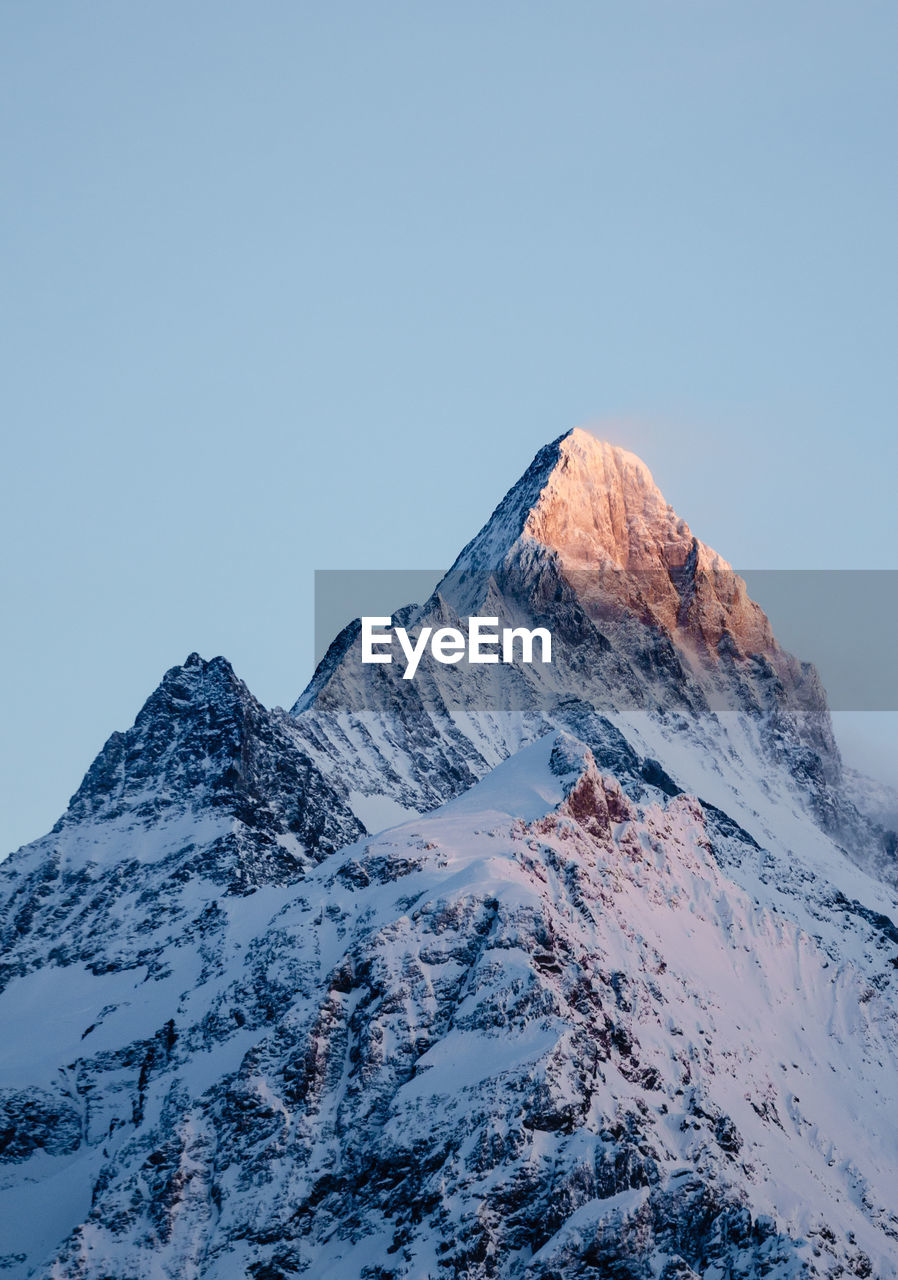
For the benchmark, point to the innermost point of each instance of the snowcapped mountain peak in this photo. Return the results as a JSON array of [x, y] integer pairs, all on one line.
[[643, 616], [191, 720], [203, 749], [582, 496], [600, 506], [594, 511], [613, 465]]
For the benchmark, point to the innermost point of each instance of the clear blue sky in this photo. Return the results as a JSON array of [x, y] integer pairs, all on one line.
[[291, 285]]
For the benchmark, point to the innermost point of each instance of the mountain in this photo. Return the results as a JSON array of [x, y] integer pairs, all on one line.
[[649, 626], [597, 510], [615, 995]]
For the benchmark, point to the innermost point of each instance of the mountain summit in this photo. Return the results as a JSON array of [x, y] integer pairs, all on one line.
[[496, 974], [597, 509], [586, 498], [644, 618]]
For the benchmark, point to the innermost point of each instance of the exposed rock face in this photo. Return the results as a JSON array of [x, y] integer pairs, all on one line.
[[617, 1005], [622, 547]]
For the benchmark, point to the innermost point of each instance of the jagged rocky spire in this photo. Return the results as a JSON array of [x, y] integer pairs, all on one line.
[[202, 743]]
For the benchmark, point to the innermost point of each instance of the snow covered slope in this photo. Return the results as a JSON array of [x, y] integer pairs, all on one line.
[[618, 996], [543, 1030]]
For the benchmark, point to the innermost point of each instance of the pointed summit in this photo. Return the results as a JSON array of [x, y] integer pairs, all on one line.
[[595, 508], [593, 502], [203, 745], [601, 507]]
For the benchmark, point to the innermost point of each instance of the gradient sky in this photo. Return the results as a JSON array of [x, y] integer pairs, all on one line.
[[290, 286]]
